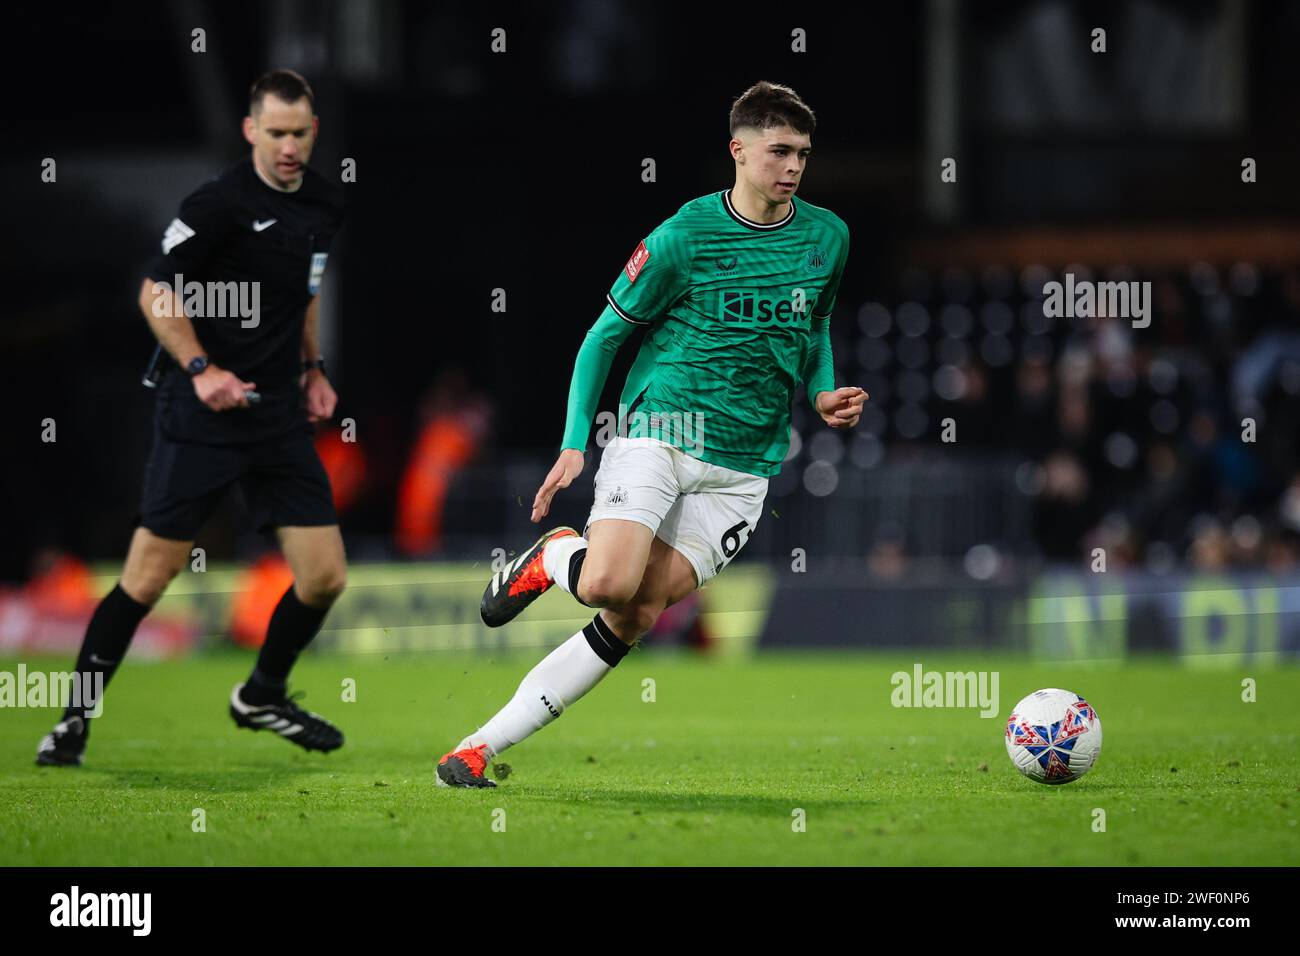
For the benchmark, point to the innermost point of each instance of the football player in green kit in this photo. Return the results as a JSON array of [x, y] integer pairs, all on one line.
[[736, 291]]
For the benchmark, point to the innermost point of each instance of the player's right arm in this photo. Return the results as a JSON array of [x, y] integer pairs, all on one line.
[[653, 279], [589, 373], [187, 245]]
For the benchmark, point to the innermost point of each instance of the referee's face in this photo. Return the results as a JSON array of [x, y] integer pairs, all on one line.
[[282, 135]]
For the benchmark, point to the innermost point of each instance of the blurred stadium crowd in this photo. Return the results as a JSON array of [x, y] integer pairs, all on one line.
[[1135, 440]]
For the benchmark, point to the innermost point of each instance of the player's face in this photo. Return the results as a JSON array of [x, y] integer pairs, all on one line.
[[282, 135], [773, 160]]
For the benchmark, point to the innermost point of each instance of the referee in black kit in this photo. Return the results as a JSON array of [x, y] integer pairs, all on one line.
[[237, 406]]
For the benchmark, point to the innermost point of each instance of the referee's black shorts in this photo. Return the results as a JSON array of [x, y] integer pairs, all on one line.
[[283, 481]]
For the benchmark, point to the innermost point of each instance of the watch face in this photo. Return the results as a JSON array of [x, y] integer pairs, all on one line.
[[197, 365]]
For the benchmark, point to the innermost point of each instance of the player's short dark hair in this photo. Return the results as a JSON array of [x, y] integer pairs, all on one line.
[[283, 85], [769, 105]]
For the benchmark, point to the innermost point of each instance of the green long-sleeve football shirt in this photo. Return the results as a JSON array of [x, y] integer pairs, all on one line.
[[737, 315]]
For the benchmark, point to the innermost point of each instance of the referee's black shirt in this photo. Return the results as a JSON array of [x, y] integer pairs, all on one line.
[[236, 228]]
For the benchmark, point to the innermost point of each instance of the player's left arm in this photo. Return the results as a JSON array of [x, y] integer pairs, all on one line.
[[316, 388], [838, 407]]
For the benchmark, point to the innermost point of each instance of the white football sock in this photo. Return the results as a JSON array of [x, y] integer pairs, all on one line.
[[556, 557], [559, 680]]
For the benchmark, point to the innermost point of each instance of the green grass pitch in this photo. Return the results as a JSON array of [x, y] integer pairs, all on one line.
[[711, 772]]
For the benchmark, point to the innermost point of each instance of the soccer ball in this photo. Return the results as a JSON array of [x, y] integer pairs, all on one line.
[[1053, 736]]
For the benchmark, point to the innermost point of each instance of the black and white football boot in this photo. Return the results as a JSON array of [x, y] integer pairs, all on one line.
[[309, 731], [65, 745]]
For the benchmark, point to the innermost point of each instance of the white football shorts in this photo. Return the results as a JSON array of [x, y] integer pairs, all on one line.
[[705, 511]]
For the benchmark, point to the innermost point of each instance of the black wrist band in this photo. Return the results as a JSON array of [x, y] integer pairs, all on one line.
[[319, 363]]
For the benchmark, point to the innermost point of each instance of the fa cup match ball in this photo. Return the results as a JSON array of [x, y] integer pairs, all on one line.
[[1053, 736]]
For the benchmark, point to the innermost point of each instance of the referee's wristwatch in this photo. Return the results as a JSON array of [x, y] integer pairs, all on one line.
[[196, 365], [309, 364]]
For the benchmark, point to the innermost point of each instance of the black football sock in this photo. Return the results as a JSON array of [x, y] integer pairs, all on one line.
[[108, 635], [292, 627], [260, 689]]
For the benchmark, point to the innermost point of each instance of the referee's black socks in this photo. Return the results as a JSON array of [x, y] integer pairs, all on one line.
[[292, 627], [107, 637]]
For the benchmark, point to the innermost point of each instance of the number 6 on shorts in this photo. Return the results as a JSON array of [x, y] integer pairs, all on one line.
[[731, 538]]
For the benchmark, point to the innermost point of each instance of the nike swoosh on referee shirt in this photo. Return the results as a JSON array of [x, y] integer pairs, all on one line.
[[258, 225]]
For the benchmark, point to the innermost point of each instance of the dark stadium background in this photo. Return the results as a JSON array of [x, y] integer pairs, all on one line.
[[522, 171]]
